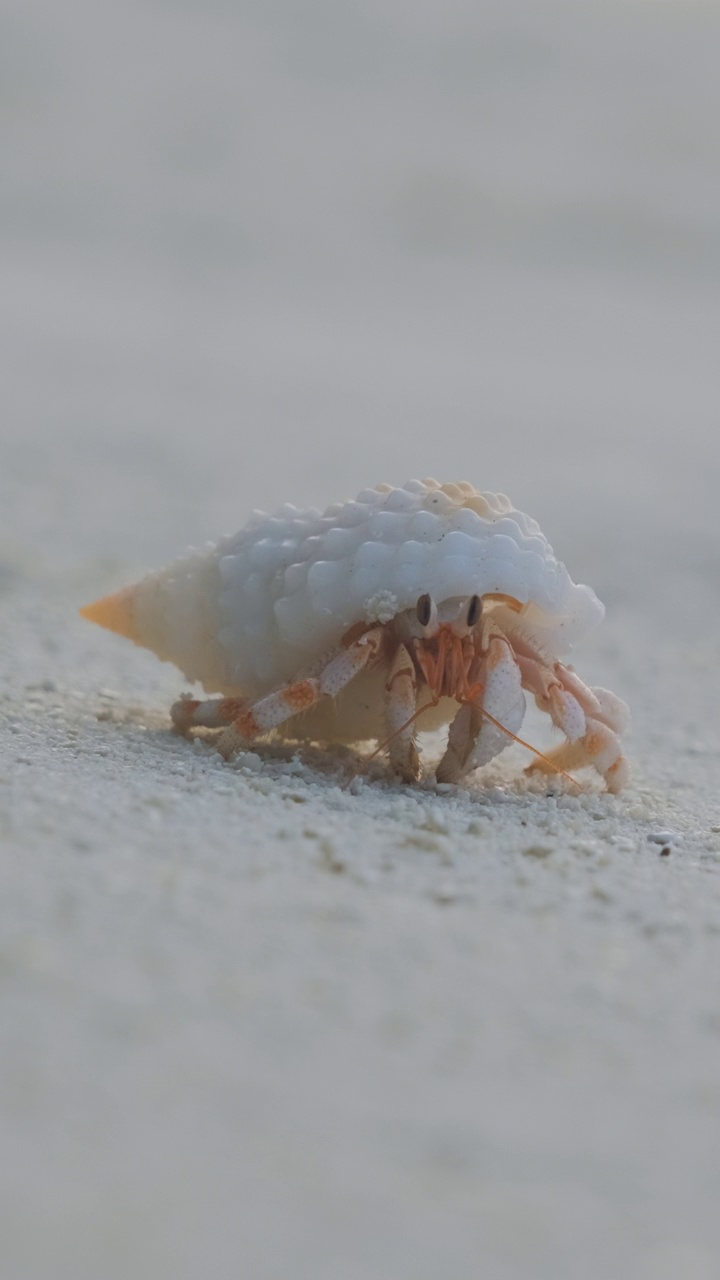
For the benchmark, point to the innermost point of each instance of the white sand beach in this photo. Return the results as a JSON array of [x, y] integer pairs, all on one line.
[[253, 1022]]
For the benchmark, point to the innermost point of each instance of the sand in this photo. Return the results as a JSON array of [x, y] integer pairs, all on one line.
[[256, 1021]]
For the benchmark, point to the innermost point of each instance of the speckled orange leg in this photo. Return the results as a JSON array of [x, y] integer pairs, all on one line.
[[590, 719], [596, 702], [599, 747], [560, 704], [274, 709], [213, 713], [400, 702]]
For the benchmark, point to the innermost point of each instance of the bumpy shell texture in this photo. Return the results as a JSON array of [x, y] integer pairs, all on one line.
[[284, 589]]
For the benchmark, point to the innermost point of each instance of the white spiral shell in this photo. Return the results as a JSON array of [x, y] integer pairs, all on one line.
[[252, 610]]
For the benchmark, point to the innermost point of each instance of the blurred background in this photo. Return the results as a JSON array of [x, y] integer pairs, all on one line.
[[254, 251], [258, 252]]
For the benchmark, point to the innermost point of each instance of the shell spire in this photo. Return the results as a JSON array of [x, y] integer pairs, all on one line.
[[116, 612], [174, 613]]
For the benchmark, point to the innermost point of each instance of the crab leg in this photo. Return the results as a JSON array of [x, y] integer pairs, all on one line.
[[599, 703], [400, 703], [599, 747], [562, 706], [212, 713], [268, 713], [473, 740], [590, 719]]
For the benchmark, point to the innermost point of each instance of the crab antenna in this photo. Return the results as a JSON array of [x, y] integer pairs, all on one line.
[[383, 745], [397, 732], [529, 746]]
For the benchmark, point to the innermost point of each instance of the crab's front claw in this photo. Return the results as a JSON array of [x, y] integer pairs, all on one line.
[[474, 739]]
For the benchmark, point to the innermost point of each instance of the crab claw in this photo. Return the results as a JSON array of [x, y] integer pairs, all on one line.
[[473, 739]]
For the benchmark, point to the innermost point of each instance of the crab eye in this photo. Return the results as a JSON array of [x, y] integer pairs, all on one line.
[[425, 609], [474, 610]]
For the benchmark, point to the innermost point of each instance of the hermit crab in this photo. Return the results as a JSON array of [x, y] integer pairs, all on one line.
[[407, 607]]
